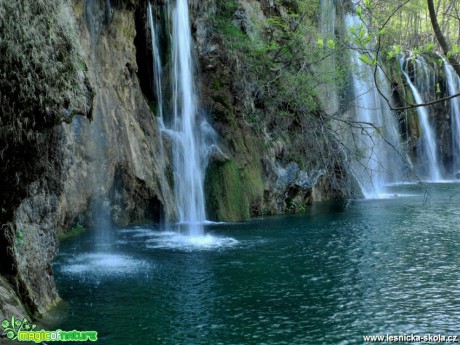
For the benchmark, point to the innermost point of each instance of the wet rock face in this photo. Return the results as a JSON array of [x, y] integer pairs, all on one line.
[[110, 158], [46, 86], [118, 152], [11, 305]]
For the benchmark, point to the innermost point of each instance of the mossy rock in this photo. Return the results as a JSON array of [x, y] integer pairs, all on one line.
[[225, 199], [76, 230]]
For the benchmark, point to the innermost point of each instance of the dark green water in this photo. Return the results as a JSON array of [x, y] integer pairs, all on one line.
[[329, 276]]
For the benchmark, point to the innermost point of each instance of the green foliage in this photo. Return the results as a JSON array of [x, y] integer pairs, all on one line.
[[279, 52], [75, 230], [295, 207], [367, 60], [41, 74], [408, 24]]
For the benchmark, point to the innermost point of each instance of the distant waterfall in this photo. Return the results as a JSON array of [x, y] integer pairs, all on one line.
[[453, 84], [192, 138], [428, 161], [379, 163]]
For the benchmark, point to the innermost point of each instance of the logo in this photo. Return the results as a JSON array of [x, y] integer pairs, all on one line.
[[25, 331]]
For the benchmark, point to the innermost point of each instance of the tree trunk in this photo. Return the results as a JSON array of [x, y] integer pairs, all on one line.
[[440, 37]]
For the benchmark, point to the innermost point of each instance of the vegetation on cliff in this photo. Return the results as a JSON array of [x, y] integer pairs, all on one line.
[[41, 74], [263, 83]]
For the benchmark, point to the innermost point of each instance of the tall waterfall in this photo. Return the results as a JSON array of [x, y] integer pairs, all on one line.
[[428, 161], [379, 162], [191, 137], [188, 167], [453, 84]]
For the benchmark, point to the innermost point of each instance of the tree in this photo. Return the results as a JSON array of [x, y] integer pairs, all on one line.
[[440, 37]]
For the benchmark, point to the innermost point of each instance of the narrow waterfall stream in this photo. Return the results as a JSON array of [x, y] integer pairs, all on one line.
[[428, 162], [189, 132], [157, 67], [453, 84]]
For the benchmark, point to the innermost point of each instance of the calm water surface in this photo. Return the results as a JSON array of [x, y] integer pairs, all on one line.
[[329, 276]]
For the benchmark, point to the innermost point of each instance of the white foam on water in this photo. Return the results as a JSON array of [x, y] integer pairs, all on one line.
[[134, 230], [210, 222], [102, 264], [406, 183], [173, 240], [397, 195], [441, 181]]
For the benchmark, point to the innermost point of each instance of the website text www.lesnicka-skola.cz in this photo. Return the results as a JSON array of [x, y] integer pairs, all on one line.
[[411, 338]]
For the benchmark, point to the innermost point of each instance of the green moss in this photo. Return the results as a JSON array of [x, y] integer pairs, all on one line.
[[412, 115], [224, 195], [253, 186], [76, 230], [222, 108], [216, 86]]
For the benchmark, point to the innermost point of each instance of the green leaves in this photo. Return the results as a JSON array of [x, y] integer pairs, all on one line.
[[429, 48], [367, 60], [329, 43]]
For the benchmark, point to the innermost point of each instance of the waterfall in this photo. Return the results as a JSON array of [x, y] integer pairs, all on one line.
[[327, 68], [157, 65], [192, 138], [379, 162], [453, 84], [428, 161], [188, 169]]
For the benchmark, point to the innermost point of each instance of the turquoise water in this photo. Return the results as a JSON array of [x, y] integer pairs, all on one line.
[[328, 276]]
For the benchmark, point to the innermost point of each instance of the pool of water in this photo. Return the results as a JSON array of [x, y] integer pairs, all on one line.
[[329, 276]]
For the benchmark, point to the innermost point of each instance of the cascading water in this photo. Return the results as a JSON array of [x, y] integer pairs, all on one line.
[[428, 161], [157, 68], [327, 68], [188, 167], [191, 136], [453, 84], [380, 163]]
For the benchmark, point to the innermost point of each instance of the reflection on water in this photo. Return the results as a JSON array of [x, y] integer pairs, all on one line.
[[329, 276]]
